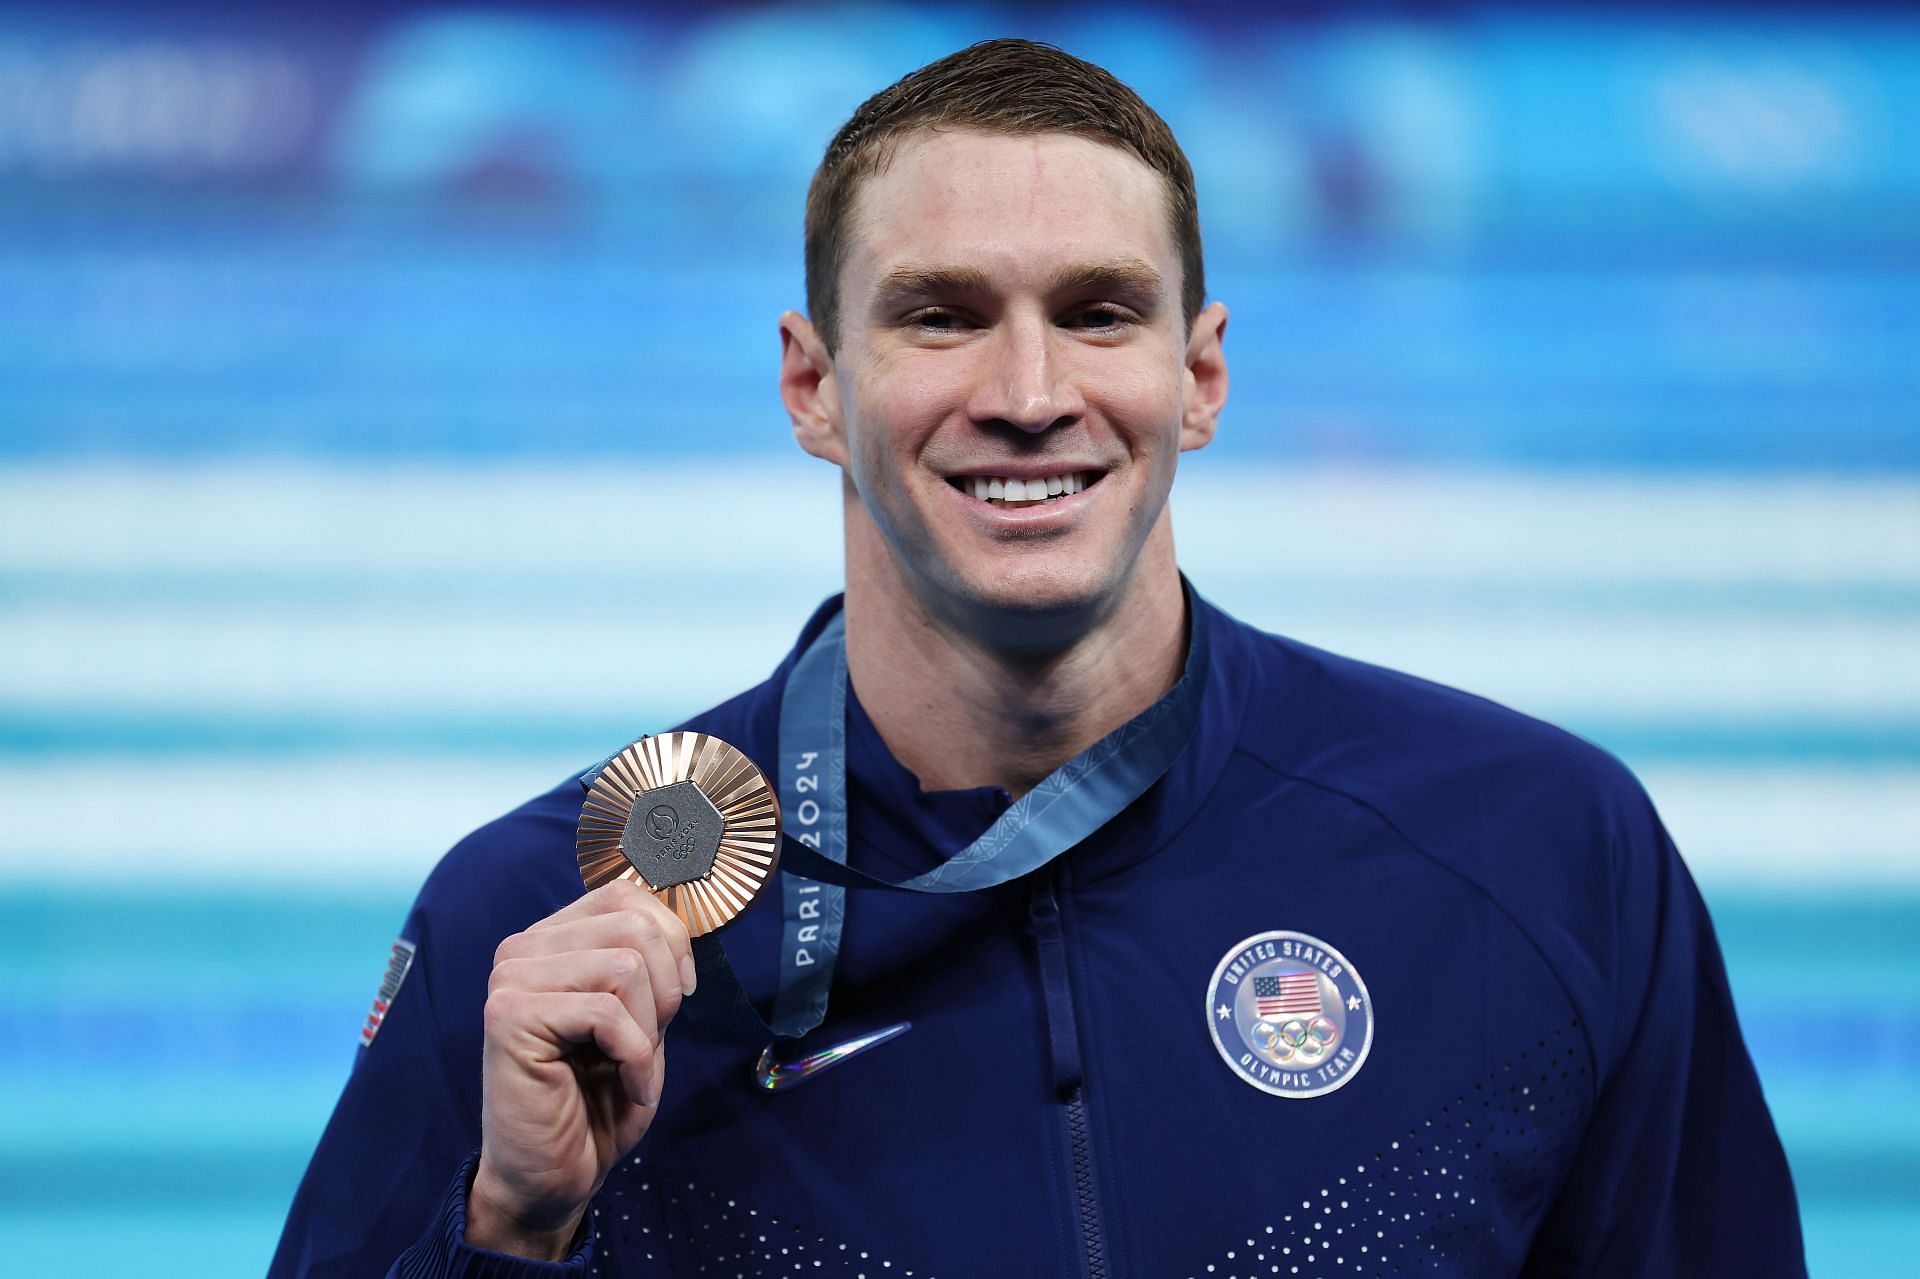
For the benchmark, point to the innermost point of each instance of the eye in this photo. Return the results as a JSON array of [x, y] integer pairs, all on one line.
[[935, 319], [1100, 318]]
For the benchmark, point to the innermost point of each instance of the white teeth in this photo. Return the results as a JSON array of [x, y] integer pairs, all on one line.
[[999, 488]]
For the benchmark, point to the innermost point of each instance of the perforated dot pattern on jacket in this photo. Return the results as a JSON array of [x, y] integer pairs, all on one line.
[[1455, 1194], [647, 1222]]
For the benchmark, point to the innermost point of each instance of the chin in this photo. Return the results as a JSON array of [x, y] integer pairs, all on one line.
[[1041, 596]]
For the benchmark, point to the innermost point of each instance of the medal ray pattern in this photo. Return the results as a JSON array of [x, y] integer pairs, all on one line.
[[749, 808]]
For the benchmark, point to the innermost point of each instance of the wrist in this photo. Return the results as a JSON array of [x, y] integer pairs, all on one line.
[[496, 1222]]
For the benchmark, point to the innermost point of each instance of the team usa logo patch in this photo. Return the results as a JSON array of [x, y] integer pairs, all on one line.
[[397, 965], [1290, 1015]]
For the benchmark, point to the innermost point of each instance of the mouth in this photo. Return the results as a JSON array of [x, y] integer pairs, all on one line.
[[1013, 494]]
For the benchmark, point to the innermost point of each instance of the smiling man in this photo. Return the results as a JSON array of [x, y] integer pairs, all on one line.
[[1005, 370], [1137, 942]]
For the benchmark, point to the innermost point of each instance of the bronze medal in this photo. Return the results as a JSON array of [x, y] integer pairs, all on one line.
[[691, 819]]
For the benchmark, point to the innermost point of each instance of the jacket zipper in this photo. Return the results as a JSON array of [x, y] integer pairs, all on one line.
[[1063, 1045]]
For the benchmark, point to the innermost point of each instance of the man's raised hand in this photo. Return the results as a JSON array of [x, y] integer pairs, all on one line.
[[573, 1063]]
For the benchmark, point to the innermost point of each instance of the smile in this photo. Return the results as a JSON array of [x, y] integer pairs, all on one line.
[[1009, 493]]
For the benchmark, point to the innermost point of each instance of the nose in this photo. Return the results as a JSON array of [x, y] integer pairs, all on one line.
[[1024, 382]]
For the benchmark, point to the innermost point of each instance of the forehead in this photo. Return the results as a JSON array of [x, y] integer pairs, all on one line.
[[1014, 207]]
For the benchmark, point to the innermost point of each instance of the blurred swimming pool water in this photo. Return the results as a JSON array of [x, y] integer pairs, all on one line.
[[167, 1062]]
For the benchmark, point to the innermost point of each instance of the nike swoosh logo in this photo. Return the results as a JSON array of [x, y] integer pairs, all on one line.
[[775, 1075]]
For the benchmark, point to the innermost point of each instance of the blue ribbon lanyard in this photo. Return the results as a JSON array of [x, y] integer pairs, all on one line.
[[1073, 802]]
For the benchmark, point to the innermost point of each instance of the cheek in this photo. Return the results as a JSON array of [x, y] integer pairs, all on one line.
[[1144, 402], [915, 386], [898, 406], [882, 417]]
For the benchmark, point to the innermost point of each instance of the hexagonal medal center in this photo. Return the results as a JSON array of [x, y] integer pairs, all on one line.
[[672, 834]]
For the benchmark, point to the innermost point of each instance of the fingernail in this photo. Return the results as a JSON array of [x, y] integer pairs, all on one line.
[[652, 1095], [689, 975]]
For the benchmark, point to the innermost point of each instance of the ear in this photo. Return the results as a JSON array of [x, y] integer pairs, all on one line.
[[808, 389], [1206, 377]]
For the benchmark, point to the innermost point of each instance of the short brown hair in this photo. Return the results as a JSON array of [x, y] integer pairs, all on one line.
[[1017, 87]]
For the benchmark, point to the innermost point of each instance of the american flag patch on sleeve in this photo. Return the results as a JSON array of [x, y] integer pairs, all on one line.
[[397, 965]]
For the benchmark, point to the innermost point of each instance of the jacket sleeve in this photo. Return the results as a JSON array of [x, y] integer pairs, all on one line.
[[386, 1190], [443, 1252], [396, 1138], [1680, 1172]]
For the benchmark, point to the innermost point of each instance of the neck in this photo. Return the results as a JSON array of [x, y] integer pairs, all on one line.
[[959, 706]]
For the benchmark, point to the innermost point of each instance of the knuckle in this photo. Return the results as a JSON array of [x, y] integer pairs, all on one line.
[[499, 1010]]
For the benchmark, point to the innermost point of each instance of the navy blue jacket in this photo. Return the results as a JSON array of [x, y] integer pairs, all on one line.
[[1555, 1085]]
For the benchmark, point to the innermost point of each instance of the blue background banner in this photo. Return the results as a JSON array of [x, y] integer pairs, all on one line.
[[1519, 236]]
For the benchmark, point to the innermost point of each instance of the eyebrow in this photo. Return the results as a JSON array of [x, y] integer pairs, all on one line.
[[1126, 277], [1129, 277], [935, 281]]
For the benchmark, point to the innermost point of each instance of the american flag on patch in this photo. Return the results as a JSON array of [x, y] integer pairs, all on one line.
[[1287, 995]]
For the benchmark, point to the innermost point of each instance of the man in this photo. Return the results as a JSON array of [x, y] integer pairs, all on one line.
[[1223, 955]]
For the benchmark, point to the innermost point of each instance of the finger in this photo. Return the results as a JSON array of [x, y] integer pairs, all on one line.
[[617, 971], [544, 1024], [615, 895], [657, 1074], [622, 895], [661, 943]]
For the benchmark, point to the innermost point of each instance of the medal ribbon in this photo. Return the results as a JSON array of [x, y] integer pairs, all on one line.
[[1073, 802]]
